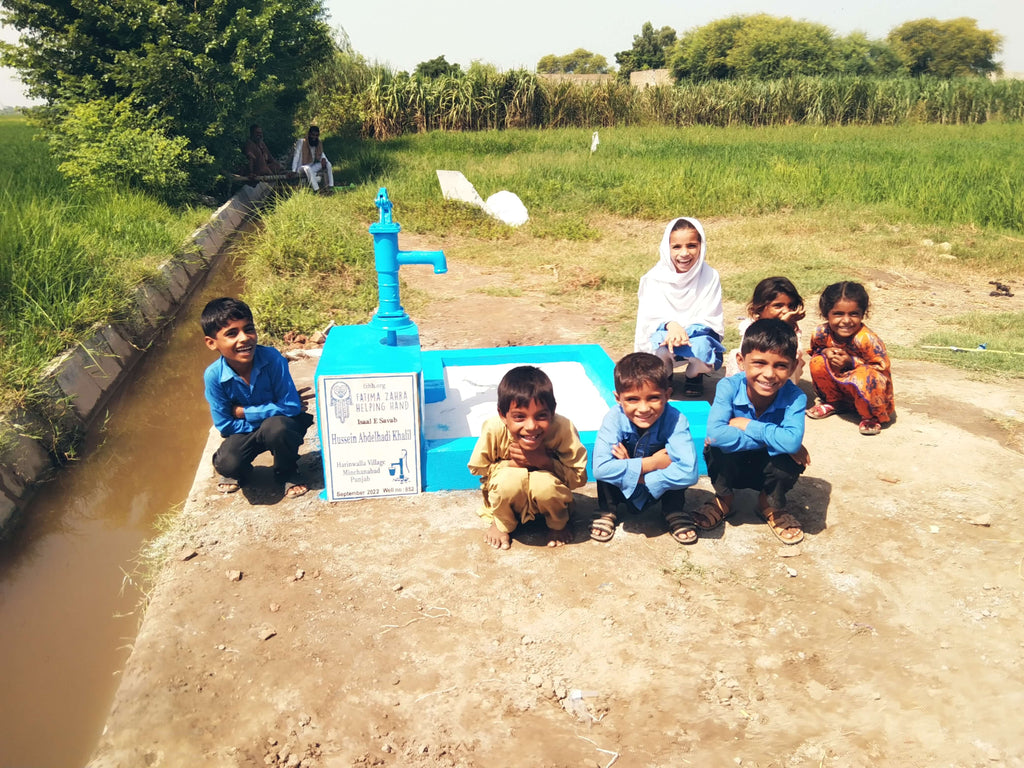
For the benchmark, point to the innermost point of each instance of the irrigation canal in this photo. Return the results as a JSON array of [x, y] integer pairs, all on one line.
[[68, 597]]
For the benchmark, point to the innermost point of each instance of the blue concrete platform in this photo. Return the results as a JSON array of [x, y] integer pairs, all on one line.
[[395, 419], [445, 458]]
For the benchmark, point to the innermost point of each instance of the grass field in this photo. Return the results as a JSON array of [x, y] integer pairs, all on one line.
[[820, 201], [817, 204], [67, 259]]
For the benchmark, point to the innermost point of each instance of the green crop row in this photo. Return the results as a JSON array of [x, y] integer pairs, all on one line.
[[483, 100]]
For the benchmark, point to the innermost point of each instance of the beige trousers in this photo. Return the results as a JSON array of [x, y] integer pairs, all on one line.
[[514, 495]]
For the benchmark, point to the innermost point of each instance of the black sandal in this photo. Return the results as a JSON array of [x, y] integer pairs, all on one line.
[[682, 527], [602, 527], [694, 387]]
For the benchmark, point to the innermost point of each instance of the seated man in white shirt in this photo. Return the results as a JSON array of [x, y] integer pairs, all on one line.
[[311, 160]]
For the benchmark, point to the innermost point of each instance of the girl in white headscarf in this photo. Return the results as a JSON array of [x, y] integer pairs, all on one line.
[[680, 306]]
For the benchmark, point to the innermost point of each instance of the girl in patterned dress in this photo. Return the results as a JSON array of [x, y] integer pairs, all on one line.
[[849, 364]]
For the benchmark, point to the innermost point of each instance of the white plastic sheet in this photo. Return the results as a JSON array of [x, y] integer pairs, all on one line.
[[504, 206]]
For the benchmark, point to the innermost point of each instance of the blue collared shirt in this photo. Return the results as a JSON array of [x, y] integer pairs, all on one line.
[[270, 392], [670, 431], [780, 428]]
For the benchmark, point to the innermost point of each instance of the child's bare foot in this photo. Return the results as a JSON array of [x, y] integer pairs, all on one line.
[[294, 489], [497, 539], [558, 538]]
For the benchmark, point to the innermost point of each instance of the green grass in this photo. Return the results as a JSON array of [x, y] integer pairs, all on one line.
[[67, 259], [312, 263], [816, 204], [684, 569], [1001, 334], [927, 174]]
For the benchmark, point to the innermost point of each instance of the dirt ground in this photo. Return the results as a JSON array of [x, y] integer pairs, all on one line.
[[384, 632]]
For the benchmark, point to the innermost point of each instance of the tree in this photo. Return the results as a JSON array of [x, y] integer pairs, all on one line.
[[436, 68], [857, 55], [648, 51], [764, 46], [335, 90], [201, 69], [954, 48], [703, 53], [770, 47], [106, 143], [579, 62]]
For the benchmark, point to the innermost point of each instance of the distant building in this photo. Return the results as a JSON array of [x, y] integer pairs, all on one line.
[[563, 77], [645, 78], [1005, 76]]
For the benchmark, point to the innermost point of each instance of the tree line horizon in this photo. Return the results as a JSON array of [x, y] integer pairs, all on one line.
[[158, 96], [765, 47]]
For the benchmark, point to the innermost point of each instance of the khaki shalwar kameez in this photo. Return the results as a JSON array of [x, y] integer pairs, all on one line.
[[514, 495]]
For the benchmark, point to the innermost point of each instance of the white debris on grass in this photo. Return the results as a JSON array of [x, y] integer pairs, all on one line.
[[504, 206]]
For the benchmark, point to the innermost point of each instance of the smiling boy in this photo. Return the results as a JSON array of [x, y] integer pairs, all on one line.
[[253, 400], [756, 429], [529, 460], [644, 451]]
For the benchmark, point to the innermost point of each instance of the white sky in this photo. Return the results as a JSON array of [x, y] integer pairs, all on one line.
[[403, 33]]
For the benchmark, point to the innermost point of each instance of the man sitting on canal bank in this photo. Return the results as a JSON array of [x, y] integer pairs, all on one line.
[[253, 400], [261, 162], [311, 160]]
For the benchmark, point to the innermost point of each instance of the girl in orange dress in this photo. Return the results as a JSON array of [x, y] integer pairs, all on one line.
[[849, 364]]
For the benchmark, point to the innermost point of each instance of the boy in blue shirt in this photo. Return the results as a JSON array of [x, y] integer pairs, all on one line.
[[253, 400], [644, 451], [756, 430]]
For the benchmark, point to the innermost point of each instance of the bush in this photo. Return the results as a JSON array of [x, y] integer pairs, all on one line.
[[106, 143]]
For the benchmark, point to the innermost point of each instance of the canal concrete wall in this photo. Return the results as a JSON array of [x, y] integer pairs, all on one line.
[[80, 382]]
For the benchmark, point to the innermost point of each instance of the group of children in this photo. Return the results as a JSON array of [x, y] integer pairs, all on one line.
[[530, 458], [644, 452]]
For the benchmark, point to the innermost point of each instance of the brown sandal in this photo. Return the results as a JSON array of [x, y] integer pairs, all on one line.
[[711, 514], [681, 525], [779, 521]]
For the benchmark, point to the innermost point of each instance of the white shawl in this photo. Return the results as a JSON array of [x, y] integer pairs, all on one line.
[[689, 297], [306, 155]]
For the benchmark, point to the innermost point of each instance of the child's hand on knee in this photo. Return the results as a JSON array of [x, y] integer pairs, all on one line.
[[839, 360], [619, 451], [802, 456], [677, 336]]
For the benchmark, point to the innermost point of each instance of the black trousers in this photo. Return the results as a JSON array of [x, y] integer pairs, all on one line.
[[281, 435], [774, 476], [609, 496]]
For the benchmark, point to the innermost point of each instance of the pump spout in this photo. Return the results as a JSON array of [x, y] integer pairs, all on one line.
[[435, 258]]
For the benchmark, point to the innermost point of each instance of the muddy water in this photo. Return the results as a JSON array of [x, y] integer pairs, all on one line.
[[68, 597]]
